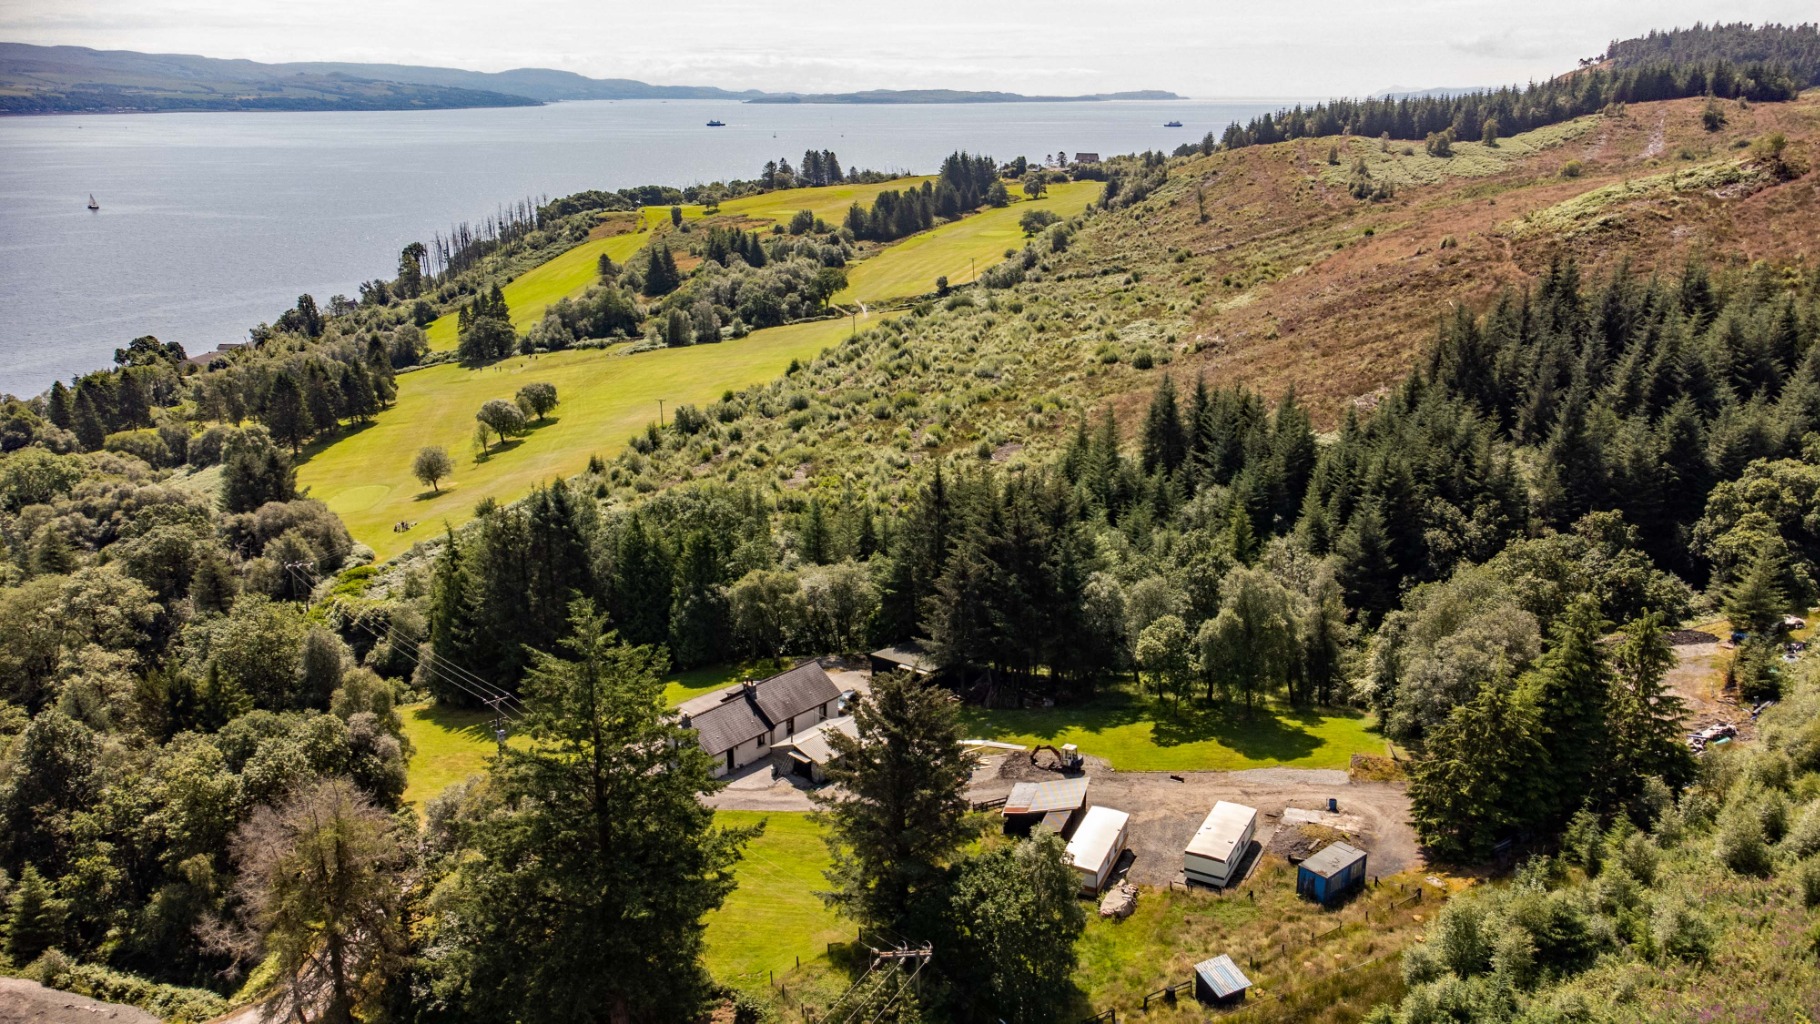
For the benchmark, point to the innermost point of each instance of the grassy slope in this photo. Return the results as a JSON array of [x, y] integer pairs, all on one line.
[[450, 745], [532, 292], [365, 477], [954, 250], [1137, 735]]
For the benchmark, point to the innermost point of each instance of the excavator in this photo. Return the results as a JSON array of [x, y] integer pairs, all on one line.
[[1067, 759]]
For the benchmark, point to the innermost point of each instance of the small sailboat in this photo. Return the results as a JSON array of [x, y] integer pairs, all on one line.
[[1172, 124], [91, 202], [717, 123]]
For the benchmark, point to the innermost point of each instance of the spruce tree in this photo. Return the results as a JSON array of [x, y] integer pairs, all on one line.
[[896, 810], [1479, 779], [35, 918], [1165, 444], [1757, 602], [1646, 716], [1572, 695]]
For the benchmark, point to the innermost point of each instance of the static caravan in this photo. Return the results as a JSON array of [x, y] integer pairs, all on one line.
[[1220, 844], [1094, 851]]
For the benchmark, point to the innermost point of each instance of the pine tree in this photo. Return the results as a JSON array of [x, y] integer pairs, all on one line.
[[1757, 602], [285, 414], [57, 406], [1366, 572], [1165, 443], [87, 423], [896, 811], [1646, 716], [641, 590], [1478, 781], [35, 918], [1572, 696]]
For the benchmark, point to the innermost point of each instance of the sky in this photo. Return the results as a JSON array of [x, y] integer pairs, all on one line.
[[1199, 48]]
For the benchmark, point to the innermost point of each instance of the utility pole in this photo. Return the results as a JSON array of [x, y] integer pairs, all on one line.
[[976, 267], [660, 413], [499, 721]]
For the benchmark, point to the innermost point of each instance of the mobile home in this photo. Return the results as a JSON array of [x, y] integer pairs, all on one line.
[[1094, 851], [1220, 844], [1332, 873]]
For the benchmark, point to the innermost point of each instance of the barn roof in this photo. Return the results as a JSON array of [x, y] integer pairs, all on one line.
[[1336, 857], [1222, 975], [1044, 797]]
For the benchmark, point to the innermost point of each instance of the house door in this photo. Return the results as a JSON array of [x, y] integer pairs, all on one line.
[[729, 760]]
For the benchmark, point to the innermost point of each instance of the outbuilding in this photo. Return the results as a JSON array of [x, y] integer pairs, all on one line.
[[1336, 870], [1220, 982], [1056, 806], [910, 656], [1219, 846], [1098, 842], [806, 754]]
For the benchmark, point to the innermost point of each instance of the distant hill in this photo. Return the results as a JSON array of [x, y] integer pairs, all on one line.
[[76, 79], [954, 96]]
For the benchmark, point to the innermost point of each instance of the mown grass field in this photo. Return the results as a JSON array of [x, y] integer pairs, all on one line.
[[450, 745], [365, 476], [774, 916], [1136, 734], [532, 292], [955, 250]]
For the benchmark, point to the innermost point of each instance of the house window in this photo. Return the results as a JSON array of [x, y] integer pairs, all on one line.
[[790, 726]]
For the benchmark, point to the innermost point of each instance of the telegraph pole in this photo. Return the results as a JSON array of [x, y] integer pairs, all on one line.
[[660, 413]]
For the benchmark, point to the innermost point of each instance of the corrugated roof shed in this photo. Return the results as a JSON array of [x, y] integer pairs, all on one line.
[[1043, 797], [1219, 835], [1222, 976], [1336, 857]]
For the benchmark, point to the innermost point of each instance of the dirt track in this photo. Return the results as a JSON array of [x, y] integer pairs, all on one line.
[[27, 1002]]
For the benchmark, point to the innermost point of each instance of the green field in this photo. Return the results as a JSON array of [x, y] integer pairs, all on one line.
[[954, 250], [1136, 734], [774, 916], [365, 476], [450, 745], [532, 292]]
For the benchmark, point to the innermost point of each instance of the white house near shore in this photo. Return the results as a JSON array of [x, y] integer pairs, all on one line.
[[739, 725]]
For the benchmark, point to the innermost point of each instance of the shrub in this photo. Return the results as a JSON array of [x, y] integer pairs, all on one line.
[[1681, 931], [1572, 169], [1740, 844]]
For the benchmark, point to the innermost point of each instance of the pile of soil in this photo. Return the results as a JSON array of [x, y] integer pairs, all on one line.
[[1684, 637], [1297, 843]]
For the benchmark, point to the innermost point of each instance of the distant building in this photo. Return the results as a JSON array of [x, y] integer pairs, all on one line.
[[909, 656], [738, 726], [806, 754], [1332, 873], [1086, 158], [1220, 844]]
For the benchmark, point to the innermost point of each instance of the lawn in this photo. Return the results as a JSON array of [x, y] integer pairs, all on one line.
[[450, 745], [1136, 734], [955, 249], [774, 916], [532, 292], [365, 476]]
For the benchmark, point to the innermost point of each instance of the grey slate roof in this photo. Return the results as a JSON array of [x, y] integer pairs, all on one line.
[[746, 712]]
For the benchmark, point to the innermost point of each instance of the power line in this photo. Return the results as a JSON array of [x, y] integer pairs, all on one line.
[[481, 690]]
